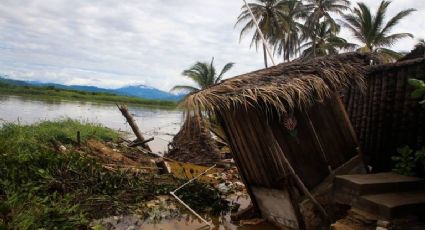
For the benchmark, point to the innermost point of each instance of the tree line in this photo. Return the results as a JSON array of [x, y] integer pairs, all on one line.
[[309, 28]]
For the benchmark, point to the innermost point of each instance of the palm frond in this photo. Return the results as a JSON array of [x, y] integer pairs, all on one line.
[[185, 88], [396, 19], [226, 68]]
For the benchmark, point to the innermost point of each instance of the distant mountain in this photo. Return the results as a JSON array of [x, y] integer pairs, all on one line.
[[144, 91], [13, 82], [140, 91], [73, 87]]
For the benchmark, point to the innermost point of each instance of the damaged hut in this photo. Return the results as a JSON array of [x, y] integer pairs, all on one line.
[[289, 132]]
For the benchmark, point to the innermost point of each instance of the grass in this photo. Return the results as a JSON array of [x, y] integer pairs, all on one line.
[[43, 189], [51, 92]]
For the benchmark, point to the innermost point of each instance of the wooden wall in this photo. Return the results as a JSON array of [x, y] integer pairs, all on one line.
[[385, 117]]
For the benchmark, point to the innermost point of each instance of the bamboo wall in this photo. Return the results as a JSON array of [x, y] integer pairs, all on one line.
[[325, 140], [385, 117]]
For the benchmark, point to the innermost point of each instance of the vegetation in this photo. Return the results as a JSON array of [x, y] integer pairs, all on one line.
[[270, 17], [41, 188], [204, 75], [373, 32], [51, 92], [419, 91], [326, 42], [420, 44], [307, 27], [319, 13], [409, 162], [288, 44]]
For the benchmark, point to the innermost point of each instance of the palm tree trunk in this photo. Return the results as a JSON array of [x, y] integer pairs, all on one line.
[[265, 55]]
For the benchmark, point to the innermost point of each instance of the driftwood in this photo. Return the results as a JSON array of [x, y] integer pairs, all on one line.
[[140, 143], [124, 111]]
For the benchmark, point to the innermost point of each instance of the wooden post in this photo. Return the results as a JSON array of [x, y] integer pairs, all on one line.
[[78, 139], [124, 111], [303, 188]]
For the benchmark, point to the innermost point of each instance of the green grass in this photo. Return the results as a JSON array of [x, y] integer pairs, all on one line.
[[43, 189], [55, 93]]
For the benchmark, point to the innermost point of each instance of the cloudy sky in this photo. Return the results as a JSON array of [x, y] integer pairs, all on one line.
[[112, 43]]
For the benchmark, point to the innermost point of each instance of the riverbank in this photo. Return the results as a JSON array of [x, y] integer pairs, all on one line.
[[63, 94], [50, 180]]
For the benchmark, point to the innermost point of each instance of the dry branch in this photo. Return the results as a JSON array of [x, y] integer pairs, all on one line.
[[124, 111]]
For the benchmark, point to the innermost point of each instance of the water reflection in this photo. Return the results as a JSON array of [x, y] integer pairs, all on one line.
[[156, 122]]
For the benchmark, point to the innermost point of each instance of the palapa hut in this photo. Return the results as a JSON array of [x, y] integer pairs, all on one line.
[[288, 131]]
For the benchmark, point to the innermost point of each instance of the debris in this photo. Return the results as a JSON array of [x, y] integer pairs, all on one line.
[[194, 143], [124, 111], [254, 221], [173, 193]]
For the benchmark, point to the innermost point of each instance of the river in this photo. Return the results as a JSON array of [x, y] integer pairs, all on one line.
[[161, 124]]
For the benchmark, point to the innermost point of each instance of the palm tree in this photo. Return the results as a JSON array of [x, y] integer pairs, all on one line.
[[288, 42], [269, 14], [373, 32], [321, 9], [203, 74], [327, 42], [420, 44]]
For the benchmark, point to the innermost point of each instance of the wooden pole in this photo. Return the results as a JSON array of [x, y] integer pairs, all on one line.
[[78, 138], [124, 111], [304, 189]]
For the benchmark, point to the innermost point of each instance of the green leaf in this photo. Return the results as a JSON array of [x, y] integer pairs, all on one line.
[[415, 82], [418, 93]]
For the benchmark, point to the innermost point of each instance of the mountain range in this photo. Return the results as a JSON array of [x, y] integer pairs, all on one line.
[[140, 91]]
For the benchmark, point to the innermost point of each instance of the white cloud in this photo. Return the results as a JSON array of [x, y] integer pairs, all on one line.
[[113, 43]]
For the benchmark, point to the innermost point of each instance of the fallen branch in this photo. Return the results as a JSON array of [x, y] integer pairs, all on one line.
[[140, 143], [124, 111]]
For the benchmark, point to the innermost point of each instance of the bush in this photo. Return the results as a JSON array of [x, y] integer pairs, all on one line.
[[409, 162]]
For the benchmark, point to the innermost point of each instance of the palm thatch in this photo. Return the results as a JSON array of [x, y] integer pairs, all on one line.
[[284, 87], [194, 143]]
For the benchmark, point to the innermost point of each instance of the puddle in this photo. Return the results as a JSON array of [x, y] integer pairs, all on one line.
[[185, 221]]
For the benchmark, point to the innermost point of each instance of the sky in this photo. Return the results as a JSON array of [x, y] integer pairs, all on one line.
[[110, 43]]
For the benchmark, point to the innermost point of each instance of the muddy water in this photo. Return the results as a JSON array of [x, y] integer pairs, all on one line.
[[185, 221], [158, 123], [189, 222]]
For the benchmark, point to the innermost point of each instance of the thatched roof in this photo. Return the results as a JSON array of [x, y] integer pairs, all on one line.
[[194, 143], [286, 86], [395, 65], [417, 52]]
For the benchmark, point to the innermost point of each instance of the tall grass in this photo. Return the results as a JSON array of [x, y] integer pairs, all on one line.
[[42, 188]]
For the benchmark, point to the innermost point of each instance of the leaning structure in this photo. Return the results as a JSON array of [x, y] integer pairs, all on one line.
[[289, 133]]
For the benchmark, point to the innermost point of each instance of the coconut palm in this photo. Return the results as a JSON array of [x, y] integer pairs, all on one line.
[[327, 42], [420, 44], [320, 10], [203, 74], [269, 14], [288, 42], [373, 32]]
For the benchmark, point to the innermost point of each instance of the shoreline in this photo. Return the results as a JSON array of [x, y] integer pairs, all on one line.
[[54, 94]]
